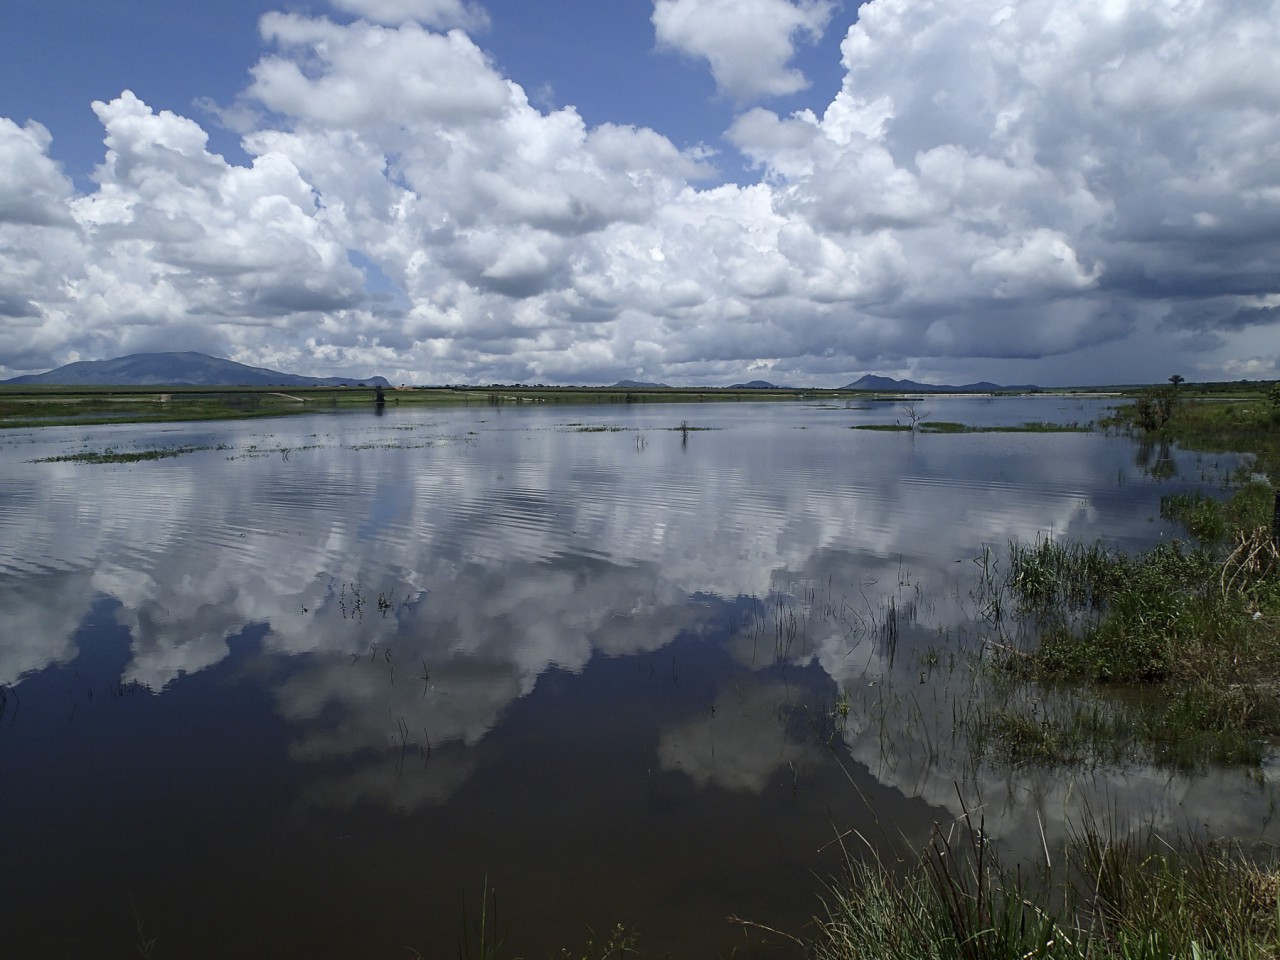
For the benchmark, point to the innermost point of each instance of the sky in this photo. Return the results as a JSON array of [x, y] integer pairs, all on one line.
[[694, 192]]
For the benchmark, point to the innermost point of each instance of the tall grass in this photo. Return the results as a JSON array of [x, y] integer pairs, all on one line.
[[1106, 897], [1186, 634]]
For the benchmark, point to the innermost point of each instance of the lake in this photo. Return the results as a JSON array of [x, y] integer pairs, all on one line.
[[339, 685]]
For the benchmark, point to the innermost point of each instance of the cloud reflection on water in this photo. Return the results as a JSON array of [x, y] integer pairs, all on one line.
[[421, 575]]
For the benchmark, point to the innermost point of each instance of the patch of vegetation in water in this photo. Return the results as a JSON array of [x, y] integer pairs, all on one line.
[[950, 426], [1038, 426], [110, 455], [1248, 421], [1183, 641], [1032, 426]]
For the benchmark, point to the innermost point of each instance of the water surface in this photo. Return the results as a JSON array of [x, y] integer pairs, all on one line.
[[314, 688]]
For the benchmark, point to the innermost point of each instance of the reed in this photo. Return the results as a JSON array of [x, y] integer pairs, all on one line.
[[1106, 897]]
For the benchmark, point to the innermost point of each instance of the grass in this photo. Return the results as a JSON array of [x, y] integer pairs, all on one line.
[[1105, 897], [949, 426], [130, 456], [1176, 649], [1249, 424]]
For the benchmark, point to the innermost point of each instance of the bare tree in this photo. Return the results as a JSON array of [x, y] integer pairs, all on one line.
[[914, 414]]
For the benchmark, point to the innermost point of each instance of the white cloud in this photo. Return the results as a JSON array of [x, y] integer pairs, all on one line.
[[33, 191], [40, 250], [367, 77], [749, 44], [441, 14], [991, 181]]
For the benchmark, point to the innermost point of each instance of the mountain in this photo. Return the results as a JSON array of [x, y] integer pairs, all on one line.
[[754, 385], [889, 385], [638, 385], [180, 370]]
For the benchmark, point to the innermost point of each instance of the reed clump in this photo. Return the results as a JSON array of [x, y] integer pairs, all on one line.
[[1105, 897]]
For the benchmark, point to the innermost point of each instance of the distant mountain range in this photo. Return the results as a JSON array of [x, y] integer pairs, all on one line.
[[181, 370], [870, 382], [638, 385], [890, 385]]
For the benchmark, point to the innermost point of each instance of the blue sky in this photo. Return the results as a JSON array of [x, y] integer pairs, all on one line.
[[691, 191], [601, 57]]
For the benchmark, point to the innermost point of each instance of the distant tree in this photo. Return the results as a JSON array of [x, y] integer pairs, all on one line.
[[1177, 379], [1274, 395]]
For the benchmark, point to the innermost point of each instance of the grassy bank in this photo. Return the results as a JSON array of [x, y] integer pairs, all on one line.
[[1170, 657], [1247, 422], [1174, 654], [1102, 897]]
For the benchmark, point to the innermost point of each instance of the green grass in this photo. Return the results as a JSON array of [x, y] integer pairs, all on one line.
[[1039, 426], [1105, 897], [1175, 652], [1243, 424]]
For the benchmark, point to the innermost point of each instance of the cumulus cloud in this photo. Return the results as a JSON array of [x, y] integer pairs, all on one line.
[[992, 181], [441, 14], [749, 44]]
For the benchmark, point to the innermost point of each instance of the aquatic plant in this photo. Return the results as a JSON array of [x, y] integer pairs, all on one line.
[[1185, 632], [110, 455]]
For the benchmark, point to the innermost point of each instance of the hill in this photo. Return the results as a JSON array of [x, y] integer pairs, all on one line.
[[638, 385], [890, 385], [180, 370], [754, 385]]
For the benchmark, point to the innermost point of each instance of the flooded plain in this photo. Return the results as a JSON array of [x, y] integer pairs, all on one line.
[[336, 685]]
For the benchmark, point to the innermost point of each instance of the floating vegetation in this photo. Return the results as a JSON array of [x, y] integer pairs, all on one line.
[[253, 451], [110, 455], [685, 428]]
